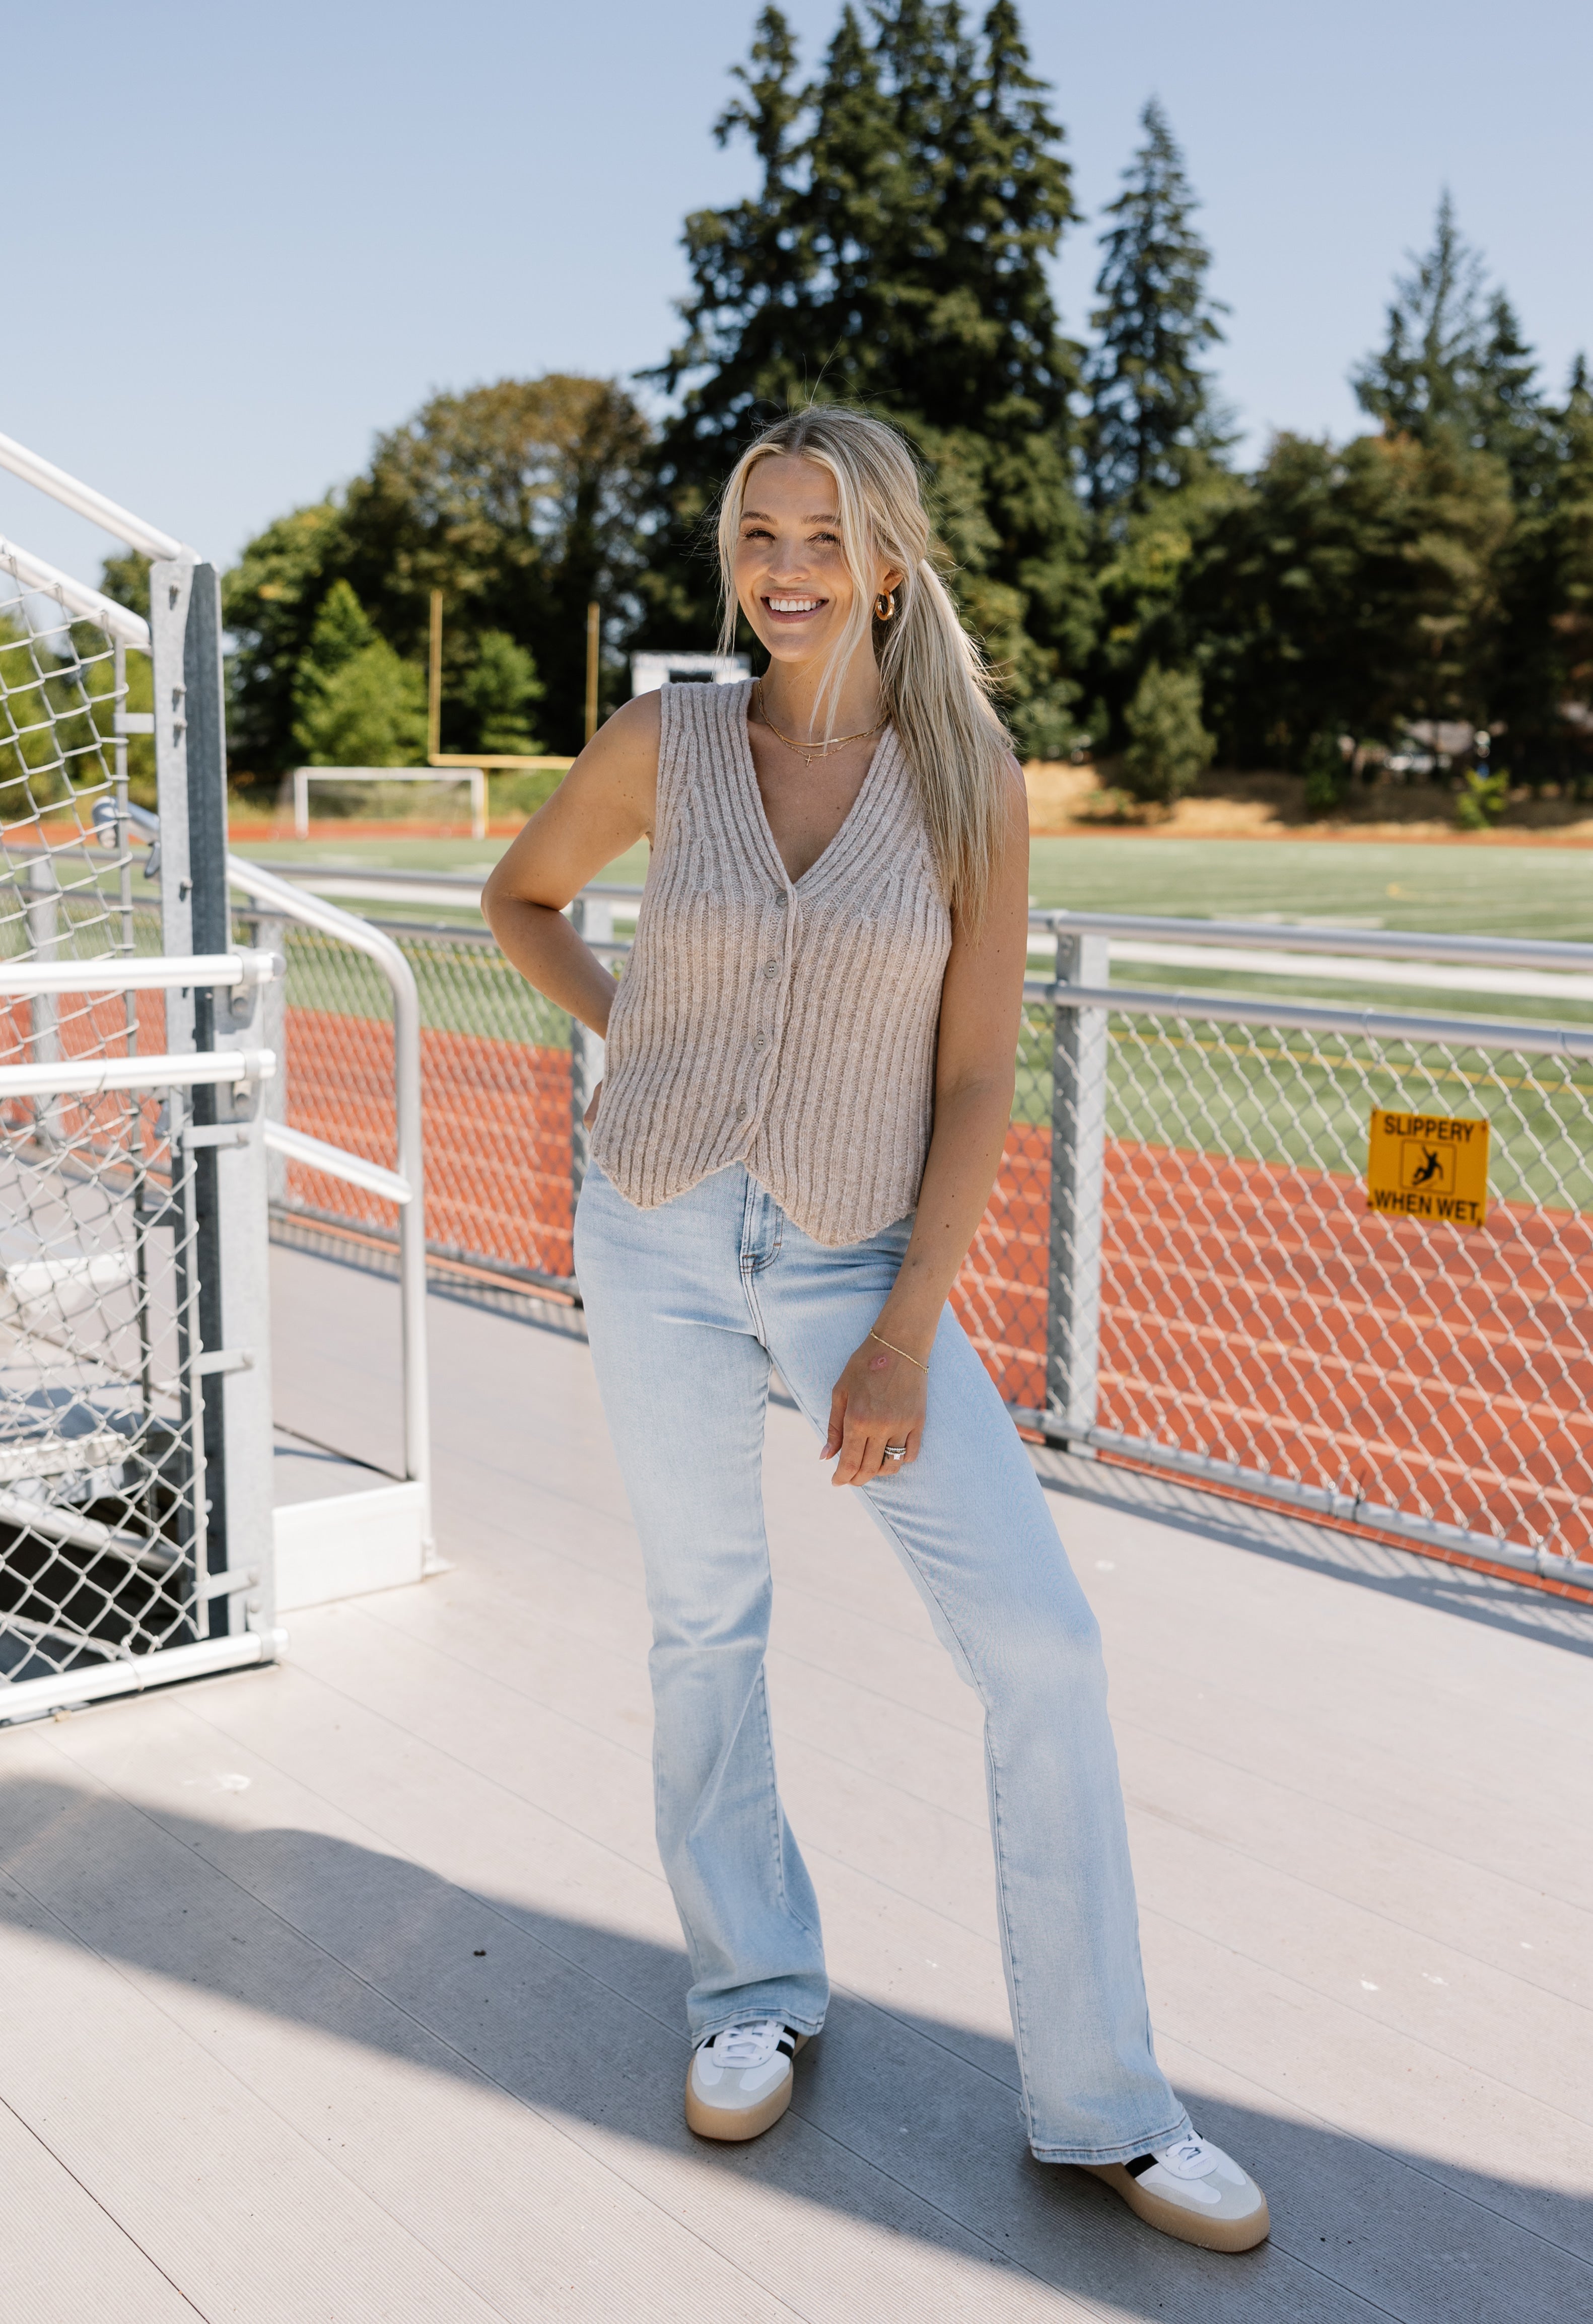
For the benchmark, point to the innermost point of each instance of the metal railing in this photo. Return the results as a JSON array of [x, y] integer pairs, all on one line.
[[1179, 1266], [278, 905], [138, 1534]]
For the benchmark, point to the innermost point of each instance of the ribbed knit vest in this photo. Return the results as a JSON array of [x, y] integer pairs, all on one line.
[[787, 1025]]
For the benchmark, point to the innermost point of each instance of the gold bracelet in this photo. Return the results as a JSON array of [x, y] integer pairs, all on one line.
[[898, 1351]]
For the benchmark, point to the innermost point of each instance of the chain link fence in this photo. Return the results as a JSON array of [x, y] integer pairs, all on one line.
[[1179, 1266], [102, 1512]]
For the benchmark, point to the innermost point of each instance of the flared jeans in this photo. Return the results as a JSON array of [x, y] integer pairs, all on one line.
[[689, 1306]]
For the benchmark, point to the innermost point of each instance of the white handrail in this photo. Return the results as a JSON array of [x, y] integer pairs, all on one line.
[[352, 1169], [313, 911], [96, 1076], [73, 493], [156, 973], [87, 603]]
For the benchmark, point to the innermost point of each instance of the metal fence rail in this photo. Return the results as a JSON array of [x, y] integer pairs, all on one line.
[[135, 1451], [1178, 1265]]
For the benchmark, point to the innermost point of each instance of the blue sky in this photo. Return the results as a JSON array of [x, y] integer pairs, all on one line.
[[240, 241]]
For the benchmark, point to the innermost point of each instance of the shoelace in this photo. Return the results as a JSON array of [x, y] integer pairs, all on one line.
[[1187, 2157], [752, 2044]]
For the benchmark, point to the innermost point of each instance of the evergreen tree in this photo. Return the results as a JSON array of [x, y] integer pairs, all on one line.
[[895, 257], [1168, 750], [357, 704], [1151, 408], [1350, 589], [1454, 356], [499, 691], [1506, 415], [1426, 370], [1544, 699]]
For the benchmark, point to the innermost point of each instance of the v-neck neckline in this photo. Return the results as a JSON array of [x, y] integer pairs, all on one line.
[[865, 789]]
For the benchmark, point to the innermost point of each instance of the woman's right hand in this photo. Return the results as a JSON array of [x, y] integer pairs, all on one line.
[[590, 1116]]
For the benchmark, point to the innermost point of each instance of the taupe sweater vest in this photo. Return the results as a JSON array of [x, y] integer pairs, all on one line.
[[790, 1026]]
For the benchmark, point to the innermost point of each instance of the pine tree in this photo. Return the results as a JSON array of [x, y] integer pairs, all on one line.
[[358, 704], [1151, 407], [895, 257], [1544, 699], [1426, 370], [1455, 357], [1505, 412]]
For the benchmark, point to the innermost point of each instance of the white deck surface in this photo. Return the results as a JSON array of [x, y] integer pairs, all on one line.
[[350, 1989]]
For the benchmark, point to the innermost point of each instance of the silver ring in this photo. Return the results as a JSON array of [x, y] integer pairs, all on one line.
[[896, 1451]]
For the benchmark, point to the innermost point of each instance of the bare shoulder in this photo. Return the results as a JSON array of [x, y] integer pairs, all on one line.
[[634, 726]]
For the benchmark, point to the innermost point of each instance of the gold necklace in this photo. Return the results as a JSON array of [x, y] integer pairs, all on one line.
[[809, 751]]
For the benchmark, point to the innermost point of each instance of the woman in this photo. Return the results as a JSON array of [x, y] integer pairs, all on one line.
[[809, 1081]]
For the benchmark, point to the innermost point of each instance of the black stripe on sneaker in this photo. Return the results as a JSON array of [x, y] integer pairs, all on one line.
[[786, 2049], [1139, 2166]]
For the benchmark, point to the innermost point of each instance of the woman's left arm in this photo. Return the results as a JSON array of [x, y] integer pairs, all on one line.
[[879, 1398]]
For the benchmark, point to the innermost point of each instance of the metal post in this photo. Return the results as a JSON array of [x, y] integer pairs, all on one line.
[[170, 588], [1078, 1162], [594, 920], [223, 1132], [44, 918], [478, 803]]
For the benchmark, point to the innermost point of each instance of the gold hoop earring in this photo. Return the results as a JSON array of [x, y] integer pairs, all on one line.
[[884, 605]]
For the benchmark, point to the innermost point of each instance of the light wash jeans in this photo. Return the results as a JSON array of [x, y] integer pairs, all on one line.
[[687, 1306]]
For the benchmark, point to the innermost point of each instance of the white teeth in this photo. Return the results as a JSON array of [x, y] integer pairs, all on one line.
[[794, 604]]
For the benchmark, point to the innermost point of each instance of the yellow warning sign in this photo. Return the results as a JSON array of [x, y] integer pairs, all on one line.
[[1428, 1166]]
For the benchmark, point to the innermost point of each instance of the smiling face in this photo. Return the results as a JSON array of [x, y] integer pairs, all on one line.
[[792, 577]]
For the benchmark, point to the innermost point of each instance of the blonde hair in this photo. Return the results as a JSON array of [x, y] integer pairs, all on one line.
[[935, 686]]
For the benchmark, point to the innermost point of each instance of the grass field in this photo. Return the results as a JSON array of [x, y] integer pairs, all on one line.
[[1537, 891]]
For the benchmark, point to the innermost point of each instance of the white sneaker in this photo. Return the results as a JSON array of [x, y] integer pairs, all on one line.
[[1192, 2190], [740, 2082]]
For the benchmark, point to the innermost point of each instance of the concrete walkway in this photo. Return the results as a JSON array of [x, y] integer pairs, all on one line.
[[350, 1989]]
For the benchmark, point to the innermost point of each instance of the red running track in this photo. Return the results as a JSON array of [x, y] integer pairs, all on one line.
[[1255, 1313]]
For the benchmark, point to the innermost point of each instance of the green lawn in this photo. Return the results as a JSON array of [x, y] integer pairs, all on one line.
[[1529, 891], [1516, 891]]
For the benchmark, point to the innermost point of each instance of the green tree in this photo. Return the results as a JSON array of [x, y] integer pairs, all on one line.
[[270, 600], [1454, 356], [1152, 414], [522, 502], [357, 703], [895, 256], [1348, 588], [1544, 699], [498, 691], [1424, 371], [1169, 750]]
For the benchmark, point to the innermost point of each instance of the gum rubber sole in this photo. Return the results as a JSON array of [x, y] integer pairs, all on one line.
[[1186, 2226], [731, 2123]]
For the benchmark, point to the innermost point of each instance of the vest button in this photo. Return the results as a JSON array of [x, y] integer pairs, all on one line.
[[761, 1043], [741, 1113], [782, 899], [771, 968]]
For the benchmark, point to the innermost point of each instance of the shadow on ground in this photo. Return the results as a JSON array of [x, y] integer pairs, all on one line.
[[1511, 1607], [906, 2123]]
